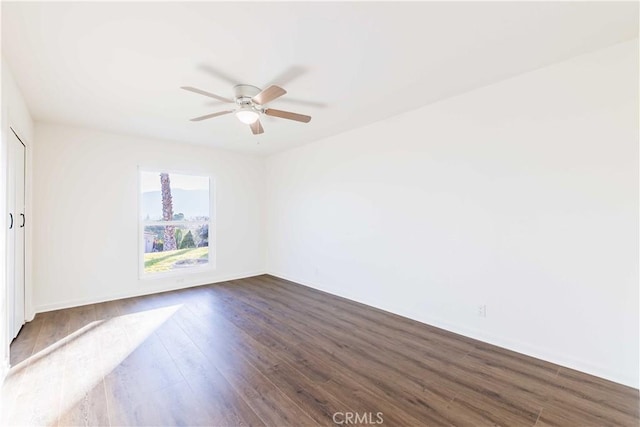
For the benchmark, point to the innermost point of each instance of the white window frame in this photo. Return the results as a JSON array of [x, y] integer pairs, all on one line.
[[211, 260]]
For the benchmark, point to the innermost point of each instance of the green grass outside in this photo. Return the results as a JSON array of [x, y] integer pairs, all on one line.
[[163, 261]]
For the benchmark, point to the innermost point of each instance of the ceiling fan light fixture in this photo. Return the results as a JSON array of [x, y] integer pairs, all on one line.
[[247, 116]]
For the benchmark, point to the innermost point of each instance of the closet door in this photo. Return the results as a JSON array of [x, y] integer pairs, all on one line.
[[16, 234]]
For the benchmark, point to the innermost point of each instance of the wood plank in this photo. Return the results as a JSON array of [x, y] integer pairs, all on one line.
[[212, 391], [82, 396], [272, 406]]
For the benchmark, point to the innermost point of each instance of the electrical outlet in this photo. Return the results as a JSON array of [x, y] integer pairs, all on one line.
[[482, 310]]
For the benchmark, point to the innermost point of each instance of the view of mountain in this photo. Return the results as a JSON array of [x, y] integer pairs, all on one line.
[[192, 203]]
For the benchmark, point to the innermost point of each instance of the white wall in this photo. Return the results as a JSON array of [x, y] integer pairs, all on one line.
[[15, 115], [86, 213], [522, 196]]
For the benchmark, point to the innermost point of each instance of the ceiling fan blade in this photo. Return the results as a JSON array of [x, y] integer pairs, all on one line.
[[216, 72], [256, 127], [269, 94], [210, 116], [290, 74], [202, 92], [287, 115], [313, 104]]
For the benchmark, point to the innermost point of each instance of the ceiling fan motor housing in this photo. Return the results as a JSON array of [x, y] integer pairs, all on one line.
[[244, 93]]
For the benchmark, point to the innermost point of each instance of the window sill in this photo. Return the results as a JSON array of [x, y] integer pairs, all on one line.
[[178, 273]]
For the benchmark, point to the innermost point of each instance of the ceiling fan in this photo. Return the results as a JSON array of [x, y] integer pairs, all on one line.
[[251, 104]]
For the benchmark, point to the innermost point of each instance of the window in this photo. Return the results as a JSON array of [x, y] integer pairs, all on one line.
[[175, 222]]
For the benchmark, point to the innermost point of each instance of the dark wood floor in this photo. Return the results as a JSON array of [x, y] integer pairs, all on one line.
[[265, 351]]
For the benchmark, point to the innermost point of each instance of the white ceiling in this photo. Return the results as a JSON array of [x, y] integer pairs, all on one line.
[[119, 66]]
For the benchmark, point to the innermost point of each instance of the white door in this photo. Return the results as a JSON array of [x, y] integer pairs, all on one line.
[[16, 235]]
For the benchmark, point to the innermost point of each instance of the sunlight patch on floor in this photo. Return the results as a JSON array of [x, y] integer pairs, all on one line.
[[33, 393]]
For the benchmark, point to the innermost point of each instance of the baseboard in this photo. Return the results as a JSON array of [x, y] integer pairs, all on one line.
[[506, 343], [533, 351], [140, 291]]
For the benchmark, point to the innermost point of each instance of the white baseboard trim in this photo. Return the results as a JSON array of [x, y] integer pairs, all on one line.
[[142, 290], [506, 343], [534, 351]]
